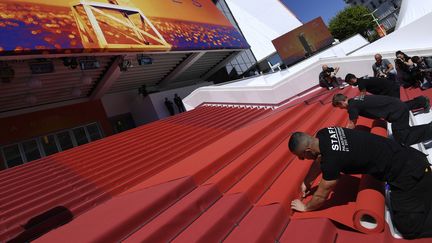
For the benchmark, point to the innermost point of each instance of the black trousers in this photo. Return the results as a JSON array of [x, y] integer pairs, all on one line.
[[326, 84], [411, 197], [394, 91], [407, 135], [416, 103]]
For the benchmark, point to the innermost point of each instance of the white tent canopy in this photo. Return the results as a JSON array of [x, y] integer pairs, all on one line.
[[411, 10], [261, 22]]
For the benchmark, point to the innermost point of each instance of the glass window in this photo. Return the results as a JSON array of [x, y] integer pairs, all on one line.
[[93, 132], [49, 145], [236, 69], [241, 59], [12, 155], [229, 68], [31, 150], [251, 56], [65, 140], [80, 135]]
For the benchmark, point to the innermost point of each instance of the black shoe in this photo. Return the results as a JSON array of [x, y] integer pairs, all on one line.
[[427, 105]]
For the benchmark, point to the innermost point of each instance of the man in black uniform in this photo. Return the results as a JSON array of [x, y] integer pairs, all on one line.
[[390, 109], [337, 150], [383, 86]]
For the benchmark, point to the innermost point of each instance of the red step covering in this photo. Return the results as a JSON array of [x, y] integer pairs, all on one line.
[[211, 159], [114, 220], [256, 134], [262, 152], [411, 93], [239, 186], [348, 206], [320, 230], [283, 189], [217, 221], [84, 177], [175, 219], [255, 181], [297, 169], [262, 224]]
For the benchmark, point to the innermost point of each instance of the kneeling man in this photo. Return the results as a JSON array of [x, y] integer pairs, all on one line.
[[337, 150]]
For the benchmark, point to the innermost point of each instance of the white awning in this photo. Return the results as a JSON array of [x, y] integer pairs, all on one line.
[[412, 37], [412, 10]]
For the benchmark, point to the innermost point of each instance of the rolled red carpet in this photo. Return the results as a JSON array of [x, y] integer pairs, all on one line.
[[369, 212]]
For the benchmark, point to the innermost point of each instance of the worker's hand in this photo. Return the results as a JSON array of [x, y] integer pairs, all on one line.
[[298, 205], [305, 190], [336, 70], [350, 125]]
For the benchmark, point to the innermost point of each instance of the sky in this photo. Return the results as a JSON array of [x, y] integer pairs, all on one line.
[[306, 10]]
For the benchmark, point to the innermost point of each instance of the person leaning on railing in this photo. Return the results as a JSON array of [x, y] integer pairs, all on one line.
[[382, 68], [422, 72]]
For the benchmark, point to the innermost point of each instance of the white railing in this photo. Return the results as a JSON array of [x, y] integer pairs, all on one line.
[[276, 87]]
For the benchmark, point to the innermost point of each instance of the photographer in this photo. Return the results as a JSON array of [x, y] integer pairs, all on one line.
[[422, 72], [406, 70], [327, 78]]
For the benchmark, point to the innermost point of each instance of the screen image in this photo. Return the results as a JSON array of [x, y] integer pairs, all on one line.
[[58, 26], [303, 41]]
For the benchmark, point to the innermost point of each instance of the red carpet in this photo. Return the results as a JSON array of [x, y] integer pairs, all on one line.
[[213, 174]]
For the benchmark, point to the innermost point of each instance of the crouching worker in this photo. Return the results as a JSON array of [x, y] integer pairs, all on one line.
[[388, 108], [337, 150], [382, 86]]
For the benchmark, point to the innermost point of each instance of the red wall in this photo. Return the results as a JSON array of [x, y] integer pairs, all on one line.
[[21, 127]]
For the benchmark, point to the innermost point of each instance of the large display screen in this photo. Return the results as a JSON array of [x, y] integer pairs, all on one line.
[[303, 41], [59, 26]]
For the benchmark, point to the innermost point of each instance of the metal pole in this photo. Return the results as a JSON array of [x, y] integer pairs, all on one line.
[[376, 21]]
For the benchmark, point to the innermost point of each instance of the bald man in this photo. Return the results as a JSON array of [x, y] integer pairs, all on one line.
[[382, 68], [337, 150], [327, 78]]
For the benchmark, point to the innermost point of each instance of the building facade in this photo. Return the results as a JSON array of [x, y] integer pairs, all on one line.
[[71, 103], [245, 59], [57, 99]]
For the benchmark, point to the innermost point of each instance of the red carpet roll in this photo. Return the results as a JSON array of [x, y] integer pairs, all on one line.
[[369, 211], [361, 209]]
